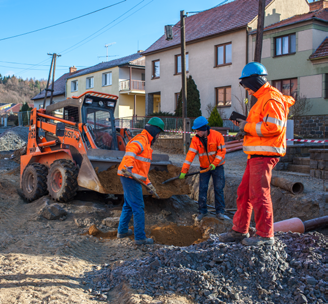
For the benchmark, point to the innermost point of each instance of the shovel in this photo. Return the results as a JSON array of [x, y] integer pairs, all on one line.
[[138, 180], [189, 174]]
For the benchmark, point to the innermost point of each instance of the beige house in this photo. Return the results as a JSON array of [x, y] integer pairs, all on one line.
[[217, 46], [124, 77]]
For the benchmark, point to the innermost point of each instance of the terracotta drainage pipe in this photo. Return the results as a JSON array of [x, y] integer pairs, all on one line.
[[295, 188]]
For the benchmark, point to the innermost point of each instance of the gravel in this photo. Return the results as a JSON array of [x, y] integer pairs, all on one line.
[[291, 271], [13, 139]]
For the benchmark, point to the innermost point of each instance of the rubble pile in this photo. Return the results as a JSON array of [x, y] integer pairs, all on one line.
[[13, 139], [291, 271]]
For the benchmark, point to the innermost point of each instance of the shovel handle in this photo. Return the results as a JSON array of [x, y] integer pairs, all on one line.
[[205, 170]]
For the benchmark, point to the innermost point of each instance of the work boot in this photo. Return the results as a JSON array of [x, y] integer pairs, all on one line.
[[147, 241], [220, 216], [123, 235], [200, 216], [232, 236], [258, 240]]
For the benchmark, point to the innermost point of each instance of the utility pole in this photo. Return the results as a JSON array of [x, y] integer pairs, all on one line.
[[186, 137], [259, 37], [53, 69]]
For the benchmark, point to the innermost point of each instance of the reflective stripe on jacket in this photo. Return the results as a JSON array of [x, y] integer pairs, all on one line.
[[267, 122], [215, 151], [138, 155]]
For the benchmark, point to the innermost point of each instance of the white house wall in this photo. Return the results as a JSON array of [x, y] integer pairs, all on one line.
[[201, 67], [311, 86]]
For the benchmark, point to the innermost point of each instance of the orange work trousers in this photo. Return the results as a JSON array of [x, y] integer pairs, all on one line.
[[254, 194]]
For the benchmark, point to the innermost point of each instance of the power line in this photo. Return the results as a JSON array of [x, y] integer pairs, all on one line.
[[5, 66], [73, 46], [64, 66], [66, 51], [41, 29]]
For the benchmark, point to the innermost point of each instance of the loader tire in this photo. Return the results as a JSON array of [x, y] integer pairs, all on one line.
[[34, 181], [62, 180]]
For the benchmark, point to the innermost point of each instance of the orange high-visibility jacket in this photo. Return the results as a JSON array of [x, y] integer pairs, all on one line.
[[267, 122], [138, 155], [216, 151]]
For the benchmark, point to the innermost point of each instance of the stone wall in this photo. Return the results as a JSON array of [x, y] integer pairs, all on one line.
[[311, 126], [319, 163], [297, 150]]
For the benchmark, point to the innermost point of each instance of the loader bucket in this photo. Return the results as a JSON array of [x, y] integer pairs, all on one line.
[[103, 160]]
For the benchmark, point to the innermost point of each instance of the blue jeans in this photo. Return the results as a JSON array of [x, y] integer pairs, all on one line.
[[133, 204], [218, 184]]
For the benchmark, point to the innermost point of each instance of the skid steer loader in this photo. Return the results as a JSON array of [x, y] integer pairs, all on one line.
[[67, 141]]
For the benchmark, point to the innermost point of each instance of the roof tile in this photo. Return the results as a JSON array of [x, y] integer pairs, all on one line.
[[321, 51], [210, 22]]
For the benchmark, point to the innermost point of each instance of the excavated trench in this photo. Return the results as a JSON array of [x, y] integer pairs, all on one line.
[[112, 184]]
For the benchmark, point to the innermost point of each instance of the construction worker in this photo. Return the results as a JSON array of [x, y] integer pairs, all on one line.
[[137, 161], [209, 145], [264, 142]]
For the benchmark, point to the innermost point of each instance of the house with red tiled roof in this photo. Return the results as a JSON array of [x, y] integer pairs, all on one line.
[[59, 93], [16, 108], [295, 52], [217, 46]]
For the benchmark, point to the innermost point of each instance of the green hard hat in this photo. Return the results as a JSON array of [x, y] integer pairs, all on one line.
[[156, 121]]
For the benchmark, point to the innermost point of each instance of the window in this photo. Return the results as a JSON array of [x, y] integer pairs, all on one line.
[[223, 54], [223, 96], [285, 45], [156, 69], [89, 83], [178, 66], [74, 86], [107, 79], [286, 86], [176, 98]]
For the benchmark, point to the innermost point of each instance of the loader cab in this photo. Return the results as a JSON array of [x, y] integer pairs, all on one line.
[[98, 115]]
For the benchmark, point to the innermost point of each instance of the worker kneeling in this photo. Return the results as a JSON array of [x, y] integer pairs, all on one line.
[[136, 162], [209, 145], [264, 134]]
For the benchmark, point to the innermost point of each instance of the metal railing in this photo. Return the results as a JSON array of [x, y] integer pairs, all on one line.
[[126, 85]]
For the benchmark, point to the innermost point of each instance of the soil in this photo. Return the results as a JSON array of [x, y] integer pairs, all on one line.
[[176, 235], [112, 184]]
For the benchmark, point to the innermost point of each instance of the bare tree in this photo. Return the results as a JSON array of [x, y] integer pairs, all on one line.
[[301, 107], [243, 103], [209, 109]]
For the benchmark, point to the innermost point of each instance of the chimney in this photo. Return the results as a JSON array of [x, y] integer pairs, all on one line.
[[318, 4], [140, 51], [72, 69]]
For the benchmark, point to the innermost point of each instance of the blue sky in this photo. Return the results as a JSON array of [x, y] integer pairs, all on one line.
[[143, 25]]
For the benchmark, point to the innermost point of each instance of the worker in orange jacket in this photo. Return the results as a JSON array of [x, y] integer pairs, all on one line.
[[136, 162], [210, 147], [264, 142]]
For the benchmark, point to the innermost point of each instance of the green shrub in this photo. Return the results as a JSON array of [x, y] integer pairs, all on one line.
[[215, 119]]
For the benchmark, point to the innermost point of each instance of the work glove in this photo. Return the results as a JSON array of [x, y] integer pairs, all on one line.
[[242, 124], [152, 189], [212, 167], [182, 176], [240, 135], [128, 172]]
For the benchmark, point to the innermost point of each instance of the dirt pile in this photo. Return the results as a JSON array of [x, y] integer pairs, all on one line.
[[291, 271], [176, 235], [94, 231], [112, 184]]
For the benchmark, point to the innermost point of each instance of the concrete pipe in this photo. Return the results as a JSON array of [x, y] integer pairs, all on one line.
[[294, 225], [295, 188]]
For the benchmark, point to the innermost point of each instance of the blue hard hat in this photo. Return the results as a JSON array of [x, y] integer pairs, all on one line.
[[253, 69], [199, 122]]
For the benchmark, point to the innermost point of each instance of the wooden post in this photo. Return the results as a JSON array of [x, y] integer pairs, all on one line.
[[259, 38]]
